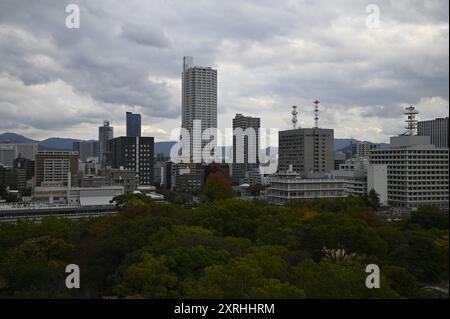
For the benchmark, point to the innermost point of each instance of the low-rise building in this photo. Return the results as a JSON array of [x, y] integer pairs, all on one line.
[[287, 186], [122, 177], [77, 196], [187, 177]]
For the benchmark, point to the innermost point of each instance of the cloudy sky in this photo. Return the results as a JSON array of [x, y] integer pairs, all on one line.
[[127, 56]]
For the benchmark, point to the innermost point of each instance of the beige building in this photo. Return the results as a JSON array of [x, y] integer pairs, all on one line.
[[56, 168]]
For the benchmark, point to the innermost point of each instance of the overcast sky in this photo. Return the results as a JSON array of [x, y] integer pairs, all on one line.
[[127, 56]]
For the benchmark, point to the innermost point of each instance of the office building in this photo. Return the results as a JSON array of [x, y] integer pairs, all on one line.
[[416, 173], [56, 168], [377, 180], [199, 104], [25, 172], [8, 152], [27, 150], [133, 124], [252, 177], [308, 150], [339, 158], [105, 134], [8, 177], [289, 185], [136, 154], [354, 173], [245, 146], [416, 170], [77, 196], [123, 177], [166, 178], [89, 180], [436, 129], [363, 148], [187, 177], [87, 150]]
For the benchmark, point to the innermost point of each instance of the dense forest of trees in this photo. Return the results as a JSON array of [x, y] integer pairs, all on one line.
[[228, 248]]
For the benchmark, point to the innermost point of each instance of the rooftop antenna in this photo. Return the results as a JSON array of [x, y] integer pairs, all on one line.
[[316, 113], [411, 122], [294, 116]]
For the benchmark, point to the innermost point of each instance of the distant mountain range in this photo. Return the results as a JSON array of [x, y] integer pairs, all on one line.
[[65, 144], [57, 143]]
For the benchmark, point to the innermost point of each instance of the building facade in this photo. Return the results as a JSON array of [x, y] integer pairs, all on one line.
[[363, 148], [245, 146], [308, 150], [436, 129], [56, 168], [355, 178], [105, 134], [135, 154], [8, 177], [339, 158], [133, 124], [199, 103], [8, 152], [289, 185], [123, 177], [86, 150], [25, 172], [187, 177], [416, 173]]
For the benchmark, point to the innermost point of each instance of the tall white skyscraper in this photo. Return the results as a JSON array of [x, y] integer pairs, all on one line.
[[199, 103]]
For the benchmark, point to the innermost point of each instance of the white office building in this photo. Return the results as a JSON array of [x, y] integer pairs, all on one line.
[[289, 185], [354, 172], [409, 173]]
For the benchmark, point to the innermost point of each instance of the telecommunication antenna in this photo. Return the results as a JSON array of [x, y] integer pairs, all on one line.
[[294, 116], [316, 113], [411, 122]]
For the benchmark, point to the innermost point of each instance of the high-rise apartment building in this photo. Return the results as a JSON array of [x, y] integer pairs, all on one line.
[[105, 133], [136, 154], [436, 129], [199, 103], [308, 150], [56, 168], [245, 146], [133, 124]]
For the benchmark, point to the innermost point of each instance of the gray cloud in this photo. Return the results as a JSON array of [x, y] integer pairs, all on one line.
[[270, 55]]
